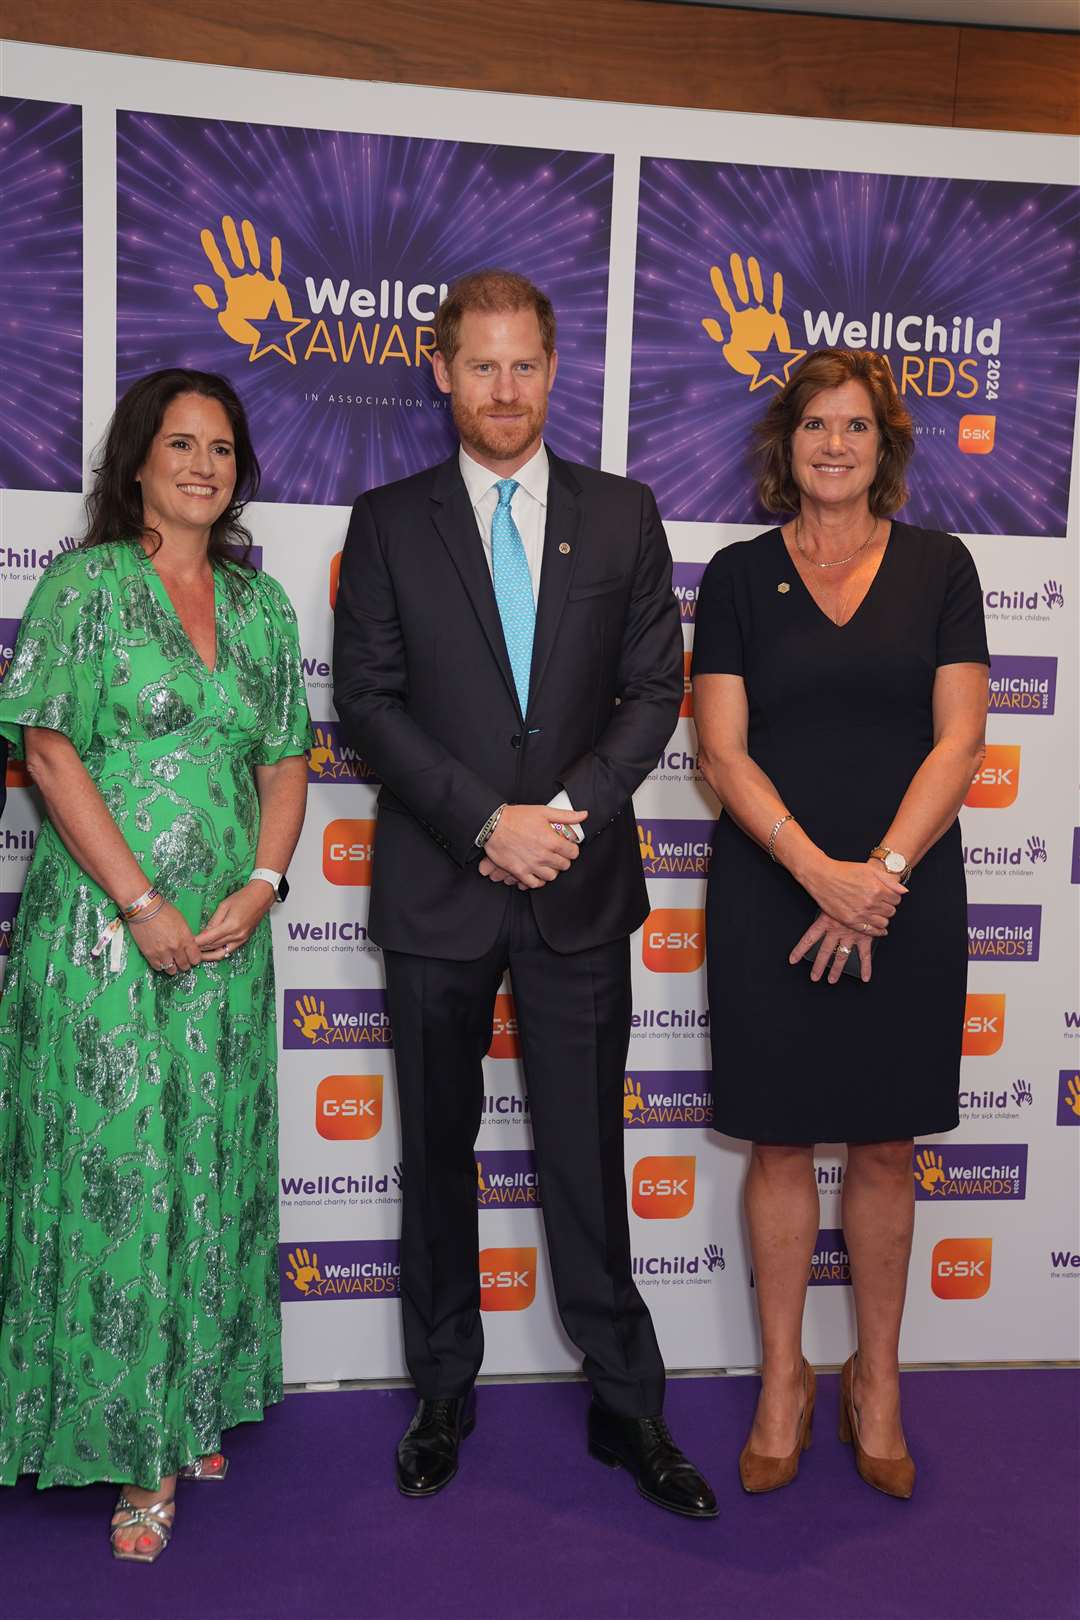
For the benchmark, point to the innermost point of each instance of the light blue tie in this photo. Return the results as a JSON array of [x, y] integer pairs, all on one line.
[[513, 589]]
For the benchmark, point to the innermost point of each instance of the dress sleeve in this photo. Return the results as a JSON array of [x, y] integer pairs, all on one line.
[[288, 729], [55, 677], [718, 642], [961, 636]]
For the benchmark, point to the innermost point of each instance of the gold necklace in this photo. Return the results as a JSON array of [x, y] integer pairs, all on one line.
[[837, 562]]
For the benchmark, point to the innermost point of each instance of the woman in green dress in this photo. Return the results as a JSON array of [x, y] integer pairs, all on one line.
[[157, 696]]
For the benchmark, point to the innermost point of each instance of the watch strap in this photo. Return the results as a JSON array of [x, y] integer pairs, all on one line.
[[276, 880]]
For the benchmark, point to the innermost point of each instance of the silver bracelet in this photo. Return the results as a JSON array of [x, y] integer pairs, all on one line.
[[772, 836], [489, 827]]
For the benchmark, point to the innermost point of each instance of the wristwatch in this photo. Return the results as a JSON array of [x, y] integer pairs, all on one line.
[[277, 881], [895, 864]]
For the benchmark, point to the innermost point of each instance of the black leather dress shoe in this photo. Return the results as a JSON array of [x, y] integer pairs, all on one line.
[[427, 1453], [645, 1447]]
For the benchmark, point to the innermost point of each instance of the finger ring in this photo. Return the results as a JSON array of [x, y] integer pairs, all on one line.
[[226, 950], [865, 927], [169, 964], [843, 950]]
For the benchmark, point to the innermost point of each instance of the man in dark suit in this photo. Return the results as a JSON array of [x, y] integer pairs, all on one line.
[[508, 659]]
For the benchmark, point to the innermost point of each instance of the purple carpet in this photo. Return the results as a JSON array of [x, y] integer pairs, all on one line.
[[308, 1525]]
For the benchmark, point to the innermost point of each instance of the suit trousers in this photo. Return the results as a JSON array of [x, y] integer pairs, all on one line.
[[573, 1014]]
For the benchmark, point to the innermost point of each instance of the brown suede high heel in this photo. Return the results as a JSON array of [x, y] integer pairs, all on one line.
[[895, 1476], [760, 1474]]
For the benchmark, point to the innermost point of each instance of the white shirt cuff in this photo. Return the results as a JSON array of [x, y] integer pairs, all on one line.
[[562, 801]]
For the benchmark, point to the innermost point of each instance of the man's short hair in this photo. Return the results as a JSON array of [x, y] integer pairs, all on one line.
[[494, 292]]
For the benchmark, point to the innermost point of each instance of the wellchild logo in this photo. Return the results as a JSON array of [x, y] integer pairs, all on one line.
[[326, 1191], [1024, 606], [1065, 1264], [507, 1180], [363, 1269], [1006, 860], [330, 759], [1007, 1103], [960, 1268], [321, 1018], [686, 583], [509, 1108], [507, 1279], [9, 905], [256, 310], [348, 851], [672, 1098], [348, 1107], [997, 781], [968, 1171], [673, 940], [9, 635], [679, 1270], [1004, 933], [662, 1188], [829, 1263], [754, 335], [1022, 685], [504, 1029], [675, 849], [677, 765], [984, 1025], [1068, 1108], [27, 562], [669, 1024]]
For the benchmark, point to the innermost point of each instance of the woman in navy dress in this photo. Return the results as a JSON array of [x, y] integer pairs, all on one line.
[[840, 691]]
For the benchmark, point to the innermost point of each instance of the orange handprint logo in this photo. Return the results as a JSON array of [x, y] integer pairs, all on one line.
[[758, 344], [633, 1102], [322, 759], [929, 1172], [480, 1182], [305, 1270], [312, 1018], [644, 835], [250, 295], [1072, 1095]]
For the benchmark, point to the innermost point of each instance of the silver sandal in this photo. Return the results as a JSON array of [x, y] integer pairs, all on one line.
[[216, 1466], [150, 1518]]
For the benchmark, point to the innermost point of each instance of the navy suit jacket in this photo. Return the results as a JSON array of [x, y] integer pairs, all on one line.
[[424, 690]]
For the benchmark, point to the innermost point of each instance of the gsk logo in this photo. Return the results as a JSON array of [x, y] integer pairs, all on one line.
[[347, 851], [976, 435], [348, 1107], [997, 781], [335, 579], [673, 940], [507, 1279], [984, 1025], [662, 1188], [686, 708], [960, 1268], [504, 1030]]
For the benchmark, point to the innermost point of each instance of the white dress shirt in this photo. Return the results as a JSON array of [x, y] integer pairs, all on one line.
[[528, 508]]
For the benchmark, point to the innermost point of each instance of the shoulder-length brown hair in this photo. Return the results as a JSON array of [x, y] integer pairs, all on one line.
[[831, 368], [114, 508]]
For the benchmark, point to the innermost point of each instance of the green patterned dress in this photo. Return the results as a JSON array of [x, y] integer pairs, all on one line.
[[139, 1310]]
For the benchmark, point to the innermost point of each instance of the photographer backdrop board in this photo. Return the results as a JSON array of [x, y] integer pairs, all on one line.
[[955, 251]]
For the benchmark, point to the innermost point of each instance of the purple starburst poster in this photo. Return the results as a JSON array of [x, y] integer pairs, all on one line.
[[969, 288], [307, 265], [41, 293]]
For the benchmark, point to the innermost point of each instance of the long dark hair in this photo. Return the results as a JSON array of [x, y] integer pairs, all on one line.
[[114, 506]]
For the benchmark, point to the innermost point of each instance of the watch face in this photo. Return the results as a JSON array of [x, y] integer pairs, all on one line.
[[894, 862], [283, 887]]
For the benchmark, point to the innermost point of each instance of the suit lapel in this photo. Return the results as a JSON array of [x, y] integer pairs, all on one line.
[[456, 523], [561, 548]]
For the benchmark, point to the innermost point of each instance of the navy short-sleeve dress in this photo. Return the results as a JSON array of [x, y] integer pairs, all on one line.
[[840, 719]]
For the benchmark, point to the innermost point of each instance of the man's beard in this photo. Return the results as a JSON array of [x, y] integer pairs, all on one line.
[[500, 440]]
